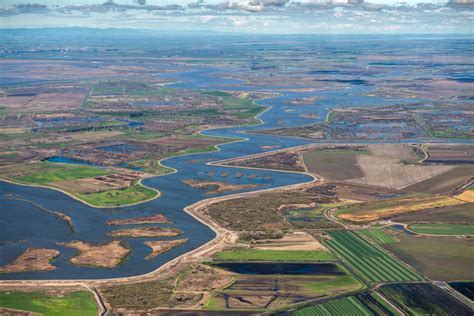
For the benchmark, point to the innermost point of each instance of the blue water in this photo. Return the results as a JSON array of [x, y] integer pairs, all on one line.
[[24, 225]]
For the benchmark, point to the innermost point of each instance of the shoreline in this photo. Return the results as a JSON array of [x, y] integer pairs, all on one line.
[[222, 235]]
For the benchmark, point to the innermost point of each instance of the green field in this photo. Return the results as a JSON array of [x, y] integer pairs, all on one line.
[[329, 286], [47, 172], [133, 194], [370, 262], [273, 255], [72, 304], [341, 307], [377, 235], [443, 229]]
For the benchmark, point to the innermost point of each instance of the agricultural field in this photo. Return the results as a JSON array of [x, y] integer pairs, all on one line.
[[451, 154], [377, 235], [344, 306], [443, 229], [460, 214], [465, 288], [363, 304], [273, 255], [334, 164], [444, 183], [439, 258], [388, 208], [390, 172], [368, 260], [423, 299], [74, 303]]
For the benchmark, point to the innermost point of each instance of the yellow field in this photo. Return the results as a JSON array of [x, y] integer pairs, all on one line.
[[368, 214], [466, 196]]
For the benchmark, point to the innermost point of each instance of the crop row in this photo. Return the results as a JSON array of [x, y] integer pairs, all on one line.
[[377, 235], [369, 260], [344, 306]]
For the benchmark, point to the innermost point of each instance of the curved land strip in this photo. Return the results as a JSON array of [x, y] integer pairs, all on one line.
[[220, 187], [108, 255], [33, 259], [146, 232], [111, 200], [60, 215], [152, 219], [160, 246]]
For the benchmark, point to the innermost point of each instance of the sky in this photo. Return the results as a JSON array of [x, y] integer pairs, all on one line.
[[247, 16]]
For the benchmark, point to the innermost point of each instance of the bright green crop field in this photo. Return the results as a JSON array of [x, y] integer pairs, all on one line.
[[73, 304], [273, 255]]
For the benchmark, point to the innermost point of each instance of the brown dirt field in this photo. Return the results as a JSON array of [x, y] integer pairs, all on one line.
[[451, 153], [292, 241], [402, 152], [84, 186], [461, 214], [439, 258], [221, 186], [46, 102], [152, 219], [390, 173], [107, 255], [160, 246], [146, 232], [33, 259], [15, 103], [92, 136], [445, 182], [334, 163]]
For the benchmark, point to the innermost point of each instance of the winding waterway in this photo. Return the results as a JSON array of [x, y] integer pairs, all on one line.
[[24, 225]]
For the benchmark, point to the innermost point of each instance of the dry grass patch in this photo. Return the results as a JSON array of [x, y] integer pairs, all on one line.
[[160, 246], [33, 259], [107, 255], [292, 241]]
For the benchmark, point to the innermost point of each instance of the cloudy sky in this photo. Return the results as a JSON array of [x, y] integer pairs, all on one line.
[[247, 16]]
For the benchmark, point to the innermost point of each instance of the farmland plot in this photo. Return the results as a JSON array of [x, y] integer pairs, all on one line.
[[370, 261], [344, 306], [377, 235], [424, 299], [391, 173]]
